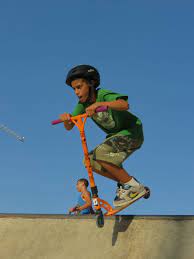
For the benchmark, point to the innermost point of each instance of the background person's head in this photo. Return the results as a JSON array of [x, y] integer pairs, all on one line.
[[82, 184]]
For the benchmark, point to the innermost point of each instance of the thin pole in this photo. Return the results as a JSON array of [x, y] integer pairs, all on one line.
[[11, 132]]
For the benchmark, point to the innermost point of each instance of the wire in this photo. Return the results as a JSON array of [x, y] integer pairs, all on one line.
[[11, 132]]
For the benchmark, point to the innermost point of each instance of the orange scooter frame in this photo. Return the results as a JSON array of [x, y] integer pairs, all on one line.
[[98, 203]]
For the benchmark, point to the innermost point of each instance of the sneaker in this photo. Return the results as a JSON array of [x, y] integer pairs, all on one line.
[[125, 194], [119, 186]]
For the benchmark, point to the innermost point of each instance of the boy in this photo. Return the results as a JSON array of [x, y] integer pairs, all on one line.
[[84, 204], [124, 130]]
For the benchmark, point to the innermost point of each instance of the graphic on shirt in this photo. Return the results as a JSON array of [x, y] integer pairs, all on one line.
[[105, 119]]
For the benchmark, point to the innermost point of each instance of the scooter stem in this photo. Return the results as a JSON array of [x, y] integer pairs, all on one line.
[[80, 121]]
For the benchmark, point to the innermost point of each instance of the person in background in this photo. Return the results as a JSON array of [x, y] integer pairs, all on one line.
[[84, 203]]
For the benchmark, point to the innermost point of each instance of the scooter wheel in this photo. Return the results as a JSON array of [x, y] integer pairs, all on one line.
[[100, 220], [147, 195]]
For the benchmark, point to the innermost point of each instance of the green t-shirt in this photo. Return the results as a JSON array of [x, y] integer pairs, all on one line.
[[113, 122]]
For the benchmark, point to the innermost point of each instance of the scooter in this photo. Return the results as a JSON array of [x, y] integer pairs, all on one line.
[[98, 203]]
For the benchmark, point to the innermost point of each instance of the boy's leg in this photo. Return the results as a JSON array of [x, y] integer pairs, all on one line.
[[105, 174], [116, 172], [108, 157]]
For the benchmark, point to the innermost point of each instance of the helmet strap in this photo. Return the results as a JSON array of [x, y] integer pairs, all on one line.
[[92, 92]]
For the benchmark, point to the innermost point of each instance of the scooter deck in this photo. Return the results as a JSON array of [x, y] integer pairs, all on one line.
[[114, 211]]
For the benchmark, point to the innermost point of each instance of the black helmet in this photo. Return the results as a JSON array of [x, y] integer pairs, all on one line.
[[84, 71]]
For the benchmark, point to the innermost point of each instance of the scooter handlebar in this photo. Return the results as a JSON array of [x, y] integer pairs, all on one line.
[[102, 109], [99, 109], [56, 122]]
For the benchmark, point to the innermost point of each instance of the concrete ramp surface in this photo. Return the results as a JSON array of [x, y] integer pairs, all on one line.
[[125, 237]]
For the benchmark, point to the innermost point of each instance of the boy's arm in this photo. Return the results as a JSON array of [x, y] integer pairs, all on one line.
[[118, 105], [68, 125], [88, 203]]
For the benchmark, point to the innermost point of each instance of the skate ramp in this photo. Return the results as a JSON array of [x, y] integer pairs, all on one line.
[[125, 237]]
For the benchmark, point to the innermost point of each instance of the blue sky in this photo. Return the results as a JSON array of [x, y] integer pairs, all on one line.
[[143, 49]]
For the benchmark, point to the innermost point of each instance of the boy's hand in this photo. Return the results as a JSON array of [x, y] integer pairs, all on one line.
[[73, 209], [91, 110], [66, 117]]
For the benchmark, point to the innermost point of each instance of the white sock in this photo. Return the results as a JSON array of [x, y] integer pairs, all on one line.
[[132, 182]]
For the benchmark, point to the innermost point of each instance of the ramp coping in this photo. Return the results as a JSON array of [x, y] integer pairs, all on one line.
[[66, 216]]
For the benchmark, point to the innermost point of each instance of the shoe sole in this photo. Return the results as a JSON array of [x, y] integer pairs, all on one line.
[[132, 200]]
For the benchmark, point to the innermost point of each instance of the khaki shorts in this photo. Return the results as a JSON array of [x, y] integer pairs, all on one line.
[[114, 150]]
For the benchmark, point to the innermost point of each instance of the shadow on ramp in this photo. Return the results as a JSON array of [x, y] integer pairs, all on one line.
[[121, 225]]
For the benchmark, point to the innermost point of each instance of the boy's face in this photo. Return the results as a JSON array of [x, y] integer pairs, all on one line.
[[79, 186], [81, 89]]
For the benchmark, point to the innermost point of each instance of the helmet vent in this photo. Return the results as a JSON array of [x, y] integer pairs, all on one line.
[[91, 70]]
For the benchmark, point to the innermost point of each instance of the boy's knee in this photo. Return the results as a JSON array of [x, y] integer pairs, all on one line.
[[91, 158], [94, 164]]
